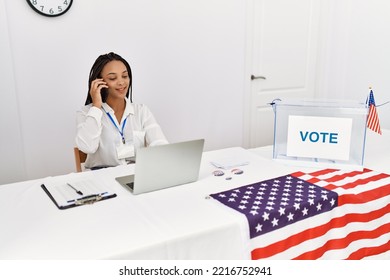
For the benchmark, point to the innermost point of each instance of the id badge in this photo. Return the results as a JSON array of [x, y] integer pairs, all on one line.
[[125, 150]]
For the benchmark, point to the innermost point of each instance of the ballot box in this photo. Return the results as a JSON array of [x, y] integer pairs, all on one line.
[[320, 133]]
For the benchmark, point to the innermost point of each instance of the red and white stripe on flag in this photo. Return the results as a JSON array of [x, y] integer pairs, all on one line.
[[359, 227], [372, 118]]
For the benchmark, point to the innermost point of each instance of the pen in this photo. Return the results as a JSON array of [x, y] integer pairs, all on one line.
[[99, 196], [76, 190]]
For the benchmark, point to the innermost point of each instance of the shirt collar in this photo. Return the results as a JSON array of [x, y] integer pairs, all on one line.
[[129, 109]]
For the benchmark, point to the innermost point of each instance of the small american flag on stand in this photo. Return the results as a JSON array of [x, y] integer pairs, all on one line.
[[342, 215], [373, 119]]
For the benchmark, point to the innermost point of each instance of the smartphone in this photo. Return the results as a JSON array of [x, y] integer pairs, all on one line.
[[103, 93]]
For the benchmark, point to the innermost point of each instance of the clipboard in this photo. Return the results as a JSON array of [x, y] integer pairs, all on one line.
[[65, 196]]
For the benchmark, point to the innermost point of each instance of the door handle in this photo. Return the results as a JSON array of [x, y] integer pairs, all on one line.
[[253, 77]]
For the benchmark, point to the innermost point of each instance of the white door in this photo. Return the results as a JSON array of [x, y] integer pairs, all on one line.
[[282, 51]]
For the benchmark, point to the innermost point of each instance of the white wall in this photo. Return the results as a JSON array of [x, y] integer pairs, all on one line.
[[355, 52], [12, 166], [187, 59]]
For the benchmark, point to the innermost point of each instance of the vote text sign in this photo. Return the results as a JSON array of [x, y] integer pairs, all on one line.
[[319, 137]]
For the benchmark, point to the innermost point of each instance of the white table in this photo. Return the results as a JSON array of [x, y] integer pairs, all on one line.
[[377, 158], [175, 223]]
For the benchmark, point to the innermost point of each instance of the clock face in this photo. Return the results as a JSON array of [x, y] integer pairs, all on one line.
[[50, 8]]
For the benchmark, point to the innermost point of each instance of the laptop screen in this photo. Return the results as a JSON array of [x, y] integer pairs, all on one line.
[[166, 166]]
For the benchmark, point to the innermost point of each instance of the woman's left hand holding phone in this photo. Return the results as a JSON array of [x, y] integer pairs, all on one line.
[[95, 92]]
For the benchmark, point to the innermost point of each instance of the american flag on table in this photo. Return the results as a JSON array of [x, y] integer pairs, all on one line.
[[334, 214], [373, 118]]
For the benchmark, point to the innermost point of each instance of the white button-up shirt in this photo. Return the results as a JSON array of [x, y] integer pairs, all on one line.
[[98, 137]]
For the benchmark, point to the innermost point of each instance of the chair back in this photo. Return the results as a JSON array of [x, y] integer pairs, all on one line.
[[80, 158]]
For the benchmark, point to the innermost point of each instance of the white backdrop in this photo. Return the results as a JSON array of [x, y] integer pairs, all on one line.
[[355, 52], [188, 60]]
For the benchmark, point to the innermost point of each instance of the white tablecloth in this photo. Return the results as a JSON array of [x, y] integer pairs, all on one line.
[[175, 223], [377, 159]]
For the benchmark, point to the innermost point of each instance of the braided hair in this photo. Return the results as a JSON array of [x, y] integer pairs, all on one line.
[[96, 71]]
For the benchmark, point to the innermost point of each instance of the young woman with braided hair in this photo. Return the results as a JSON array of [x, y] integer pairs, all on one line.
[[110, 127]]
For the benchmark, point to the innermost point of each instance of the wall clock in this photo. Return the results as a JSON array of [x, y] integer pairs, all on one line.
[[50, 8]]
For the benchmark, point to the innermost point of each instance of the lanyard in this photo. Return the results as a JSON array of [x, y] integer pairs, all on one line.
[[123, 127]]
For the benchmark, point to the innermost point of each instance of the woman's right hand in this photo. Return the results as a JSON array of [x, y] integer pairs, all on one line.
[[94, 91]]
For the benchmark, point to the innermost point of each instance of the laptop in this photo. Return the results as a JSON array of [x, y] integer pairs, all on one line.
[[164, 166]]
